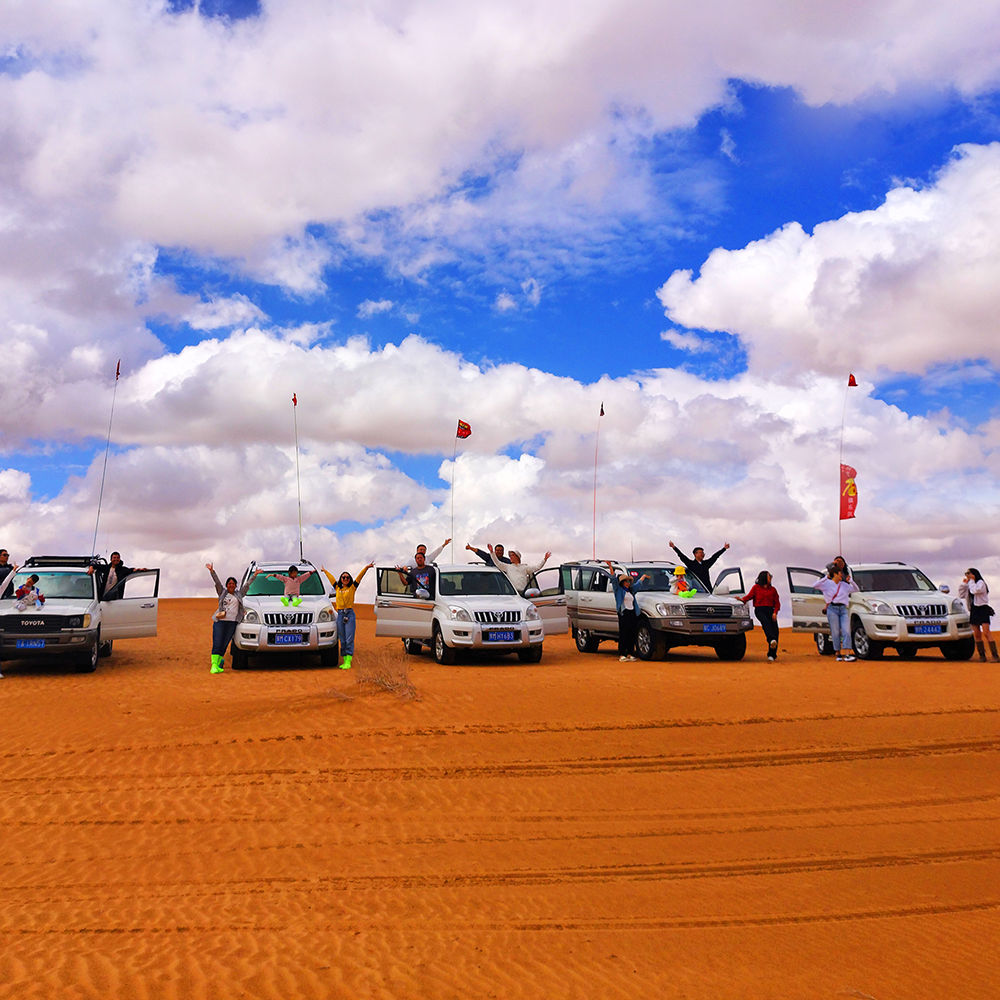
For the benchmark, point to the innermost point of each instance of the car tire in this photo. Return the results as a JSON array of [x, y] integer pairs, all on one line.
[[443, 653], [241, 658], [960, 650], [532, 655], [86, 662], [106, 648], [824, 644], [330, 656], [906, 652], [864, 648], [732, 647], [649, 643], [585, 642], [412, 647]]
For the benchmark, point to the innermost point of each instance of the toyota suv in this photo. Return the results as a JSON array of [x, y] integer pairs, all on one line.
[[713, 619], [472, 607], [73, 624], [269, 626], [896, 606]]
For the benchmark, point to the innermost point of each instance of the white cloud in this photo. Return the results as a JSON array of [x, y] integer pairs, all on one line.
[[369, 308], [237, 310], [532, 291], [903, 287], [686, 341], [505, 302]]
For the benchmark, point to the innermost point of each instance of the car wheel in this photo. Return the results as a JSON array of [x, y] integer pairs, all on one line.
[[649, 644], [443, 653], [732, 648], [824, 644], [960, 650], [412, 647], [532, 655], [865, 648], [906, 652], [87, 661], [105, 648], [241, 658], [585, 642], [330, 657]]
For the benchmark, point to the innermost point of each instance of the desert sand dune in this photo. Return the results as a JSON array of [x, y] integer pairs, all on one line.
[[579, 828]]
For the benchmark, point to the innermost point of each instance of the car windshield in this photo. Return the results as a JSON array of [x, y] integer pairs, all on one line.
[[661, 579], [475, 584], [265, 585], [56, 586], [891, 579]]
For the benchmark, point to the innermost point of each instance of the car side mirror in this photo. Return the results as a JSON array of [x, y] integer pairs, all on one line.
[[532, 592], [424, 595], [944, 588], [721, 590]]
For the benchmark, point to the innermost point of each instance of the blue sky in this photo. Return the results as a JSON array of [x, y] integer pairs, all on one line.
[[403, 249]]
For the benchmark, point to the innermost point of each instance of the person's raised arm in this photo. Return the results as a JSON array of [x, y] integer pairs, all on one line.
[[709, 563], [361, 575], [329, 576], [215, 579]]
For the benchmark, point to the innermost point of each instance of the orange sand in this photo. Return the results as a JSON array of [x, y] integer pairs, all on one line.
[[578, 828]]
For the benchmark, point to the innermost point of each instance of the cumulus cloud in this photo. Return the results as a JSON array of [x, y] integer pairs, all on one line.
[[686, 341], [901, 288], [223, 312], [369, 308], [505, 302]]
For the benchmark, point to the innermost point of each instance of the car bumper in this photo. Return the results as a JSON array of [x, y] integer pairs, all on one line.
[[702, 630], [55, 643], [472, 635], [282, 638], [917, 631]]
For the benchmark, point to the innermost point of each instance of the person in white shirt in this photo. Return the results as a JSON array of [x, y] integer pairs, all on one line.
[[837, 592], [517, 572], [229, 614], [974, 590]]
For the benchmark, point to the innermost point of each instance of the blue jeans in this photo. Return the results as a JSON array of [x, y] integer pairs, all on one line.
[[345, 631], [840, 631], [222, 636]]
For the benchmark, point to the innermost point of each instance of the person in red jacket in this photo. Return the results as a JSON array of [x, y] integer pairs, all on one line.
[[765, 606]]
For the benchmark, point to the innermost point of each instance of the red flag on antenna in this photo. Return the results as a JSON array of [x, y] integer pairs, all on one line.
[[602, 409], [295, 402], [848, 492], [118, 370], [464, 430], [851, 380]]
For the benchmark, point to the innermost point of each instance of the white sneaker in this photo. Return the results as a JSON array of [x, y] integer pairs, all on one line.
[[770, 658], [622, 659], [840, 659], [631, 659], [849, 659]]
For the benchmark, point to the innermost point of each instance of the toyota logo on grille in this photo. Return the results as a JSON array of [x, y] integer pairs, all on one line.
[[32, 621], [290, 619]]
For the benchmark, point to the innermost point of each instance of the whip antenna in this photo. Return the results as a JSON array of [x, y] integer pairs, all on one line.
[[107, 449], [298, 484]]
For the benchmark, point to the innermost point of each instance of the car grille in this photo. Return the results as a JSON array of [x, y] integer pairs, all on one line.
[[709, 611], [498, 617], [36, 623], [289, 618], [922, 610]]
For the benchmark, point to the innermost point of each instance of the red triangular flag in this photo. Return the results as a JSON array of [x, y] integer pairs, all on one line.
[[852, 380], [118, 370], [464, 430], [295, 402], [602, 409]]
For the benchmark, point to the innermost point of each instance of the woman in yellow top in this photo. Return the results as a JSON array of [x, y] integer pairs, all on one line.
[[344, 590]]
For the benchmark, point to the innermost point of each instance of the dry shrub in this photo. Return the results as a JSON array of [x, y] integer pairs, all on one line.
[[387, 670]]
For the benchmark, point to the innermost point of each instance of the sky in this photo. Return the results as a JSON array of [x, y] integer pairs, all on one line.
[[410, 212]]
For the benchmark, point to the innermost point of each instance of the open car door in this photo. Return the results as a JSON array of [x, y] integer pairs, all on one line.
[[552, 602], [807, 603], [729, 583], [128, 610], [398, 610]]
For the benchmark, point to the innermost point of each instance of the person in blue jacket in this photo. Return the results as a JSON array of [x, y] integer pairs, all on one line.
[[628, 610]]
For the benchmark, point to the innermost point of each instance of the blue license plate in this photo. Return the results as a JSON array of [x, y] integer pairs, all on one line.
[[287, 638], [714, 628], [30, 643], [507, 636], [927, 629]]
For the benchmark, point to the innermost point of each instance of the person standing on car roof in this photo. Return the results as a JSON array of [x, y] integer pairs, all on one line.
[[344, 590], [699, 565], [485, 556], [517, 572], [766, 604], [628, 610], [837, 592], [228, 616], [974, 590]]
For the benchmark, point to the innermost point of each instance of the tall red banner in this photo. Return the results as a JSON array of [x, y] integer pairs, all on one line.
[[848, 492]]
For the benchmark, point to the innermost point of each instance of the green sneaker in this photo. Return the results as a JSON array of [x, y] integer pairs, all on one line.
[[346, 665], [296, 601]]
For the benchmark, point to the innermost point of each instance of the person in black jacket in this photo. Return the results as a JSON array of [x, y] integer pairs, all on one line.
[[108, 577], [699, 566]]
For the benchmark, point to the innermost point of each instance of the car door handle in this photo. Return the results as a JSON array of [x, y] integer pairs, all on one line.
[[147, 605], [383, 604]]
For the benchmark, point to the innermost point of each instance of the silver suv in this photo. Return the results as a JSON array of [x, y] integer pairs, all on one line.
[[707, 619], [896, 606], [73, 624], [269, 626]]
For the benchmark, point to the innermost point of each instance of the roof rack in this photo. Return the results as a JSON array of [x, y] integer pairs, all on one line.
[[36, 562]]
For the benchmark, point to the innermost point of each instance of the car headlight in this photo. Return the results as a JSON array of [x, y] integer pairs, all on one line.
[[326, 615], [670, 610], [531, 614], [459, 614], [741, 610], [881, 608], [958, 607], [251, 617]]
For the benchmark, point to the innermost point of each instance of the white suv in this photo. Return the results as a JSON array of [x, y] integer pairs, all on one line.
[[269, 626], [471, 607], [895, 606], [73, 624]]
